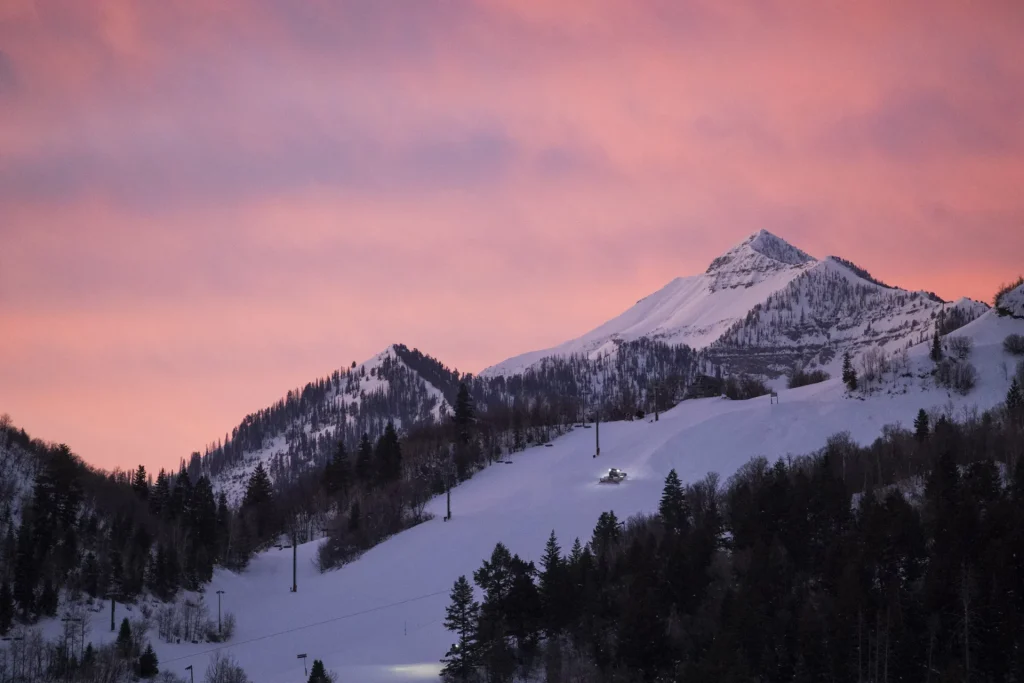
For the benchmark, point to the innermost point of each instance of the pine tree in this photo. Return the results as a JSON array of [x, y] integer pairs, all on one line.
[[921, 426], [1015, 398], [388, 456], [318, 673], [553, 586], [25, 571], [338, 474], [6, 608], [936, 351], [353, 517], [49, 599], [124, 639], [606, 532], [139, 483], [464, 414], [364, 459], [159, 496], [259, 489], [461, 617], [674, 510], [849, 374], [148, 663]]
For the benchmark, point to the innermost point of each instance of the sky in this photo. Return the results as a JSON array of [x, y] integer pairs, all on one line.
[[205, 204]]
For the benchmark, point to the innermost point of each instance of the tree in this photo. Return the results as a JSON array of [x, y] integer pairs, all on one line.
[[338, 474], [259, 489], [388, 456], [674, 510], [6, 608], [921, 426], [554, 587], [148, 663], [464, 414], [25, 570], [849, 374], [461, 618], [1015, 398], [936, 351], [140, 484], [318, 673], [124, 639], [224, 669], [364, 459]]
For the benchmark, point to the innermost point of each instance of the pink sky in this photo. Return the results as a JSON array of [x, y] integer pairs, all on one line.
[[204, 204]]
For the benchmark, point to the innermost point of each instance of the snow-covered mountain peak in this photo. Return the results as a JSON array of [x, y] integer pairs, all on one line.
[[759, 256], [1011, 301]]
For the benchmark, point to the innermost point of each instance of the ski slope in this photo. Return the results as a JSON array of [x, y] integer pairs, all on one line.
[[380, 618]]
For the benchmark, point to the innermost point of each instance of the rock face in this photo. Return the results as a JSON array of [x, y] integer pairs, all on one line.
[[766, 304]]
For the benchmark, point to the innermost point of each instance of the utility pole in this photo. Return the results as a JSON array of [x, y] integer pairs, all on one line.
[[220, 630], [597, 432], [295, 562], [111, 613], [657, 391]]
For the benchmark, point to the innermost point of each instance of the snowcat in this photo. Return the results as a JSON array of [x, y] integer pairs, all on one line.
[[614, 476]]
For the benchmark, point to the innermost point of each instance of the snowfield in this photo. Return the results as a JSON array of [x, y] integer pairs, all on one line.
[[380, 618]]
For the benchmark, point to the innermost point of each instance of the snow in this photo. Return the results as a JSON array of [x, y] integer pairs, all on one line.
[[380, 618], [693, 310], [233, 480], [1013, 301]]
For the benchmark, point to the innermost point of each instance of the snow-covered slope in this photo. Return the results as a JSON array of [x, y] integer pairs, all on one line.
[[828, 310], [380, 618], [765, 304], [1011, 302], [352, 401], [693, 310]]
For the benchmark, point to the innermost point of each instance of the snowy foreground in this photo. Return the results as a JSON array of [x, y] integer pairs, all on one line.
[[380, 618]]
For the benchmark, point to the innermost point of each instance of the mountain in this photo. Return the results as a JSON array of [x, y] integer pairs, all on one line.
[[765, 305], [380, 618], [298, 434]]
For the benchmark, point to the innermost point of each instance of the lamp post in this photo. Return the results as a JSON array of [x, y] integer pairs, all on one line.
[[303, 658], [191, 676], [220, 630]]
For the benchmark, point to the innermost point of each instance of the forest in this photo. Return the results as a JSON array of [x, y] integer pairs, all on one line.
[[898, 561]]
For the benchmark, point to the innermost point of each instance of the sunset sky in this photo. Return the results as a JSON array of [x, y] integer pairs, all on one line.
[[204, 204]]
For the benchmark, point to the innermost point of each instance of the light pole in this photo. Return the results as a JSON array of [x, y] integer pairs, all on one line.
[[191, 676], [303, 658], [220, 629]]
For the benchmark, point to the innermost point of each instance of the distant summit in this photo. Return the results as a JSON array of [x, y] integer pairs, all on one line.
[[766, 304]]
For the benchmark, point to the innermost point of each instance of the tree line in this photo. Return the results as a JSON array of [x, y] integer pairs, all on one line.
[[901, 560]]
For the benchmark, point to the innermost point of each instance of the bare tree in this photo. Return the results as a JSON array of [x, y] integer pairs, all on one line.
[[224, 669]]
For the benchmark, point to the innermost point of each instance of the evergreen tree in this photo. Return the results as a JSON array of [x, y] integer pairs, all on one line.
[[124, 639], [674, 510], [202, 528], [936, 351], [1015, 398], [606, 532], [139, 483], [6, 608], [464, 414], [353, 517], [554, 586], [25, 569], [461, 618], [49, 599], [849, 374], [338, 473], [159, 496], [388, 456], [921, 426], [364, 459], [259, 489], [318, 673], [148, 663]]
